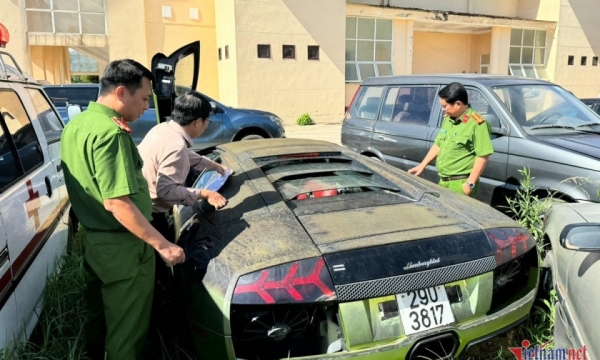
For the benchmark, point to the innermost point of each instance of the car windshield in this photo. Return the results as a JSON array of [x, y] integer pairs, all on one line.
[[545, 109]]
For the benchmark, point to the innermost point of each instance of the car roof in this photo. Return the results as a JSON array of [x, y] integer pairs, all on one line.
[[73, 85], [11, 74], [465, 79]]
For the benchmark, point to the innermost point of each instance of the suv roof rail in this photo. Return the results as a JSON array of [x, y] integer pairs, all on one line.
[[5, 74]]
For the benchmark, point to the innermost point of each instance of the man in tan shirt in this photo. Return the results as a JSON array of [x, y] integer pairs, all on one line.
[[167, 158]]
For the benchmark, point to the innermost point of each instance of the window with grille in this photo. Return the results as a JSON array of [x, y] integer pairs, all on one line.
[[527, 53], [368, 48], [66, 16]]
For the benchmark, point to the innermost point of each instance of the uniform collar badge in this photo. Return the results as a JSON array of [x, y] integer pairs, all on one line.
[[122, 124], [465, 118]]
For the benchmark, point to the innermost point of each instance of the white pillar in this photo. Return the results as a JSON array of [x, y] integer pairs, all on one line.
[[499, 50], [402, 47]]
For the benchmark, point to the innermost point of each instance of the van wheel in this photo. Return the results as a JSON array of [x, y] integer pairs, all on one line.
[[251, 137]]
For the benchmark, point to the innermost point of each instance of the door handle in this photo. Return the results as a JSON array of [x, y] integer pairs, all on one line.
[[48, 186]]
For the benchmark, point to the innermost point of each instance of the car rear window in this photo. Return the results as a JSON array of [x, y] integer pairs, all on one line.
[[74, 95], [319, 175], [367, 103]]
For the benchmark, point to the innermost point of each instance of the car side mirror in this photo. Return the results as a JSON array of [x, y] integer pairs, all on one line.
[[72, 110], [215, 108], [581, 237]]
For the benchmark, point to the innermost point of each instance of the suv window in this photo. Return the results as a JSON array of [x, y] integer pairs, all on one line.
[[9, 170], [413, 104], [480, 103], [46, 115], [75, 95], [368, 102], [22, 133]]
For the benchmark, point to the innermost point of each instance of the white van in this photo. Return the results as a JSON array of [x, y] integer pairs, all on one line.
[[34, 206]]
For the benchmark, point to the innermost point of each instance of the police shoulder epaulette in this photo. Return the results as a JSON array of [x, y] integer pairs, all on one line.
[[478, 119]]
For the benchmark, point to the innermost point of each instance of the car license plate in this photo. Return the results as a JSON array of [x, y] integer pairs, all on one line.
[[424, 309]]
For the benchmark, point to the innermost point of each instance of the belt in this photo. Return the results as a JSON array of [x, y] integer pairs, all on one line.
[[454, 177]]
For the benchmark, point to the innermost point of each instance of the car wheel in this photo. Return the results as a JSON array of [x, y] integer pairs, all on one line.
[[251, 137], [547, 281]]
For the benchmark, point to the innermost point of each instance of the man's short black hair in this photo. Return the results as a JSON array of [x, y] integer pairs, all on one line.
[[454, 92], [189, 107], [127, 72]]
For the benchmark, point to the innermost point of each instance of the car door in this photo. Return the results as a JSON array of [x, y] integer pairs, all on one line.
[[584, 293], [493, 180], [30, 205], [357, 129], [174, 75], [8, 303], [403, 128]]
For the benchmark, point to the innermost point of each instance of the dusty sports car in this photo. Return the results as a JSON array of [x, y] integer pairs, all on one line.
[[573, 234], [324, 253]]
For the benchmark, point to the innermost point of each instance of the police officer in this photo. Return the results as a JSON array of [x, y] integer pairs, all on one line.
[[110, 197], [463, 145]]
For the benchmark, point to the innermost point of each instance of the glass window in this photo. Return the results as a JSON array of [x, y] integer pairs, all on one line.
[[480, 103], [37, 4], [384, 29], [383, 51], [388, 104], [384, 69], [351, 73], [289, 51], [350, 50], [77, 95], [93, 24], [414, 104], [46, 115], [366, 28], [528, 47], [367, 105], [9, 169], [516, 37], [313, 52], [264, 51], [64, 5], [365, 50], [366, 70], [39, 21], [66, 23], [66, 16], [91, 6], [20, 128], [368, 48], [350, 28]]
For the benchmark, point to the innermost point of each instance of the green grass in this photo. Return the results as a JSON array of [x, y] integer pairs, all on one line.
[[59, 333]]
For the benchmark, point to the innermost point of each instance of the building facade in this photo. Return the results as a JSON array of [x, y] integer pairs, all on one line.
[[309, 56]]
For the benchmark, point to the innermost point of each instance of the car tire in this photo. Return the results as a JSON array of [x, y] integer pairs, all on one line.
[[251, 137], [547, 281]]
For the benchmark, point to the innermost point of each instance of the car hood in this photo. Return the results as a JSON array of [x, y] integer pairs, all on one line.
[[585, 144], [255, 112]]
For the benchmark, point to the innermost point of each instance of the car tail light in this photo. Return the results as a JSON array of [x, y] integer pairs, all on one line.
[[510, 243], [516, 255], [347, 115], [304, 281]]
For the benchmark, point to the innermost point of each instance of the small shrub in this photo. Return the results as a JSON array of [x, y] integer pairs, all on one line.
[[304, 119]]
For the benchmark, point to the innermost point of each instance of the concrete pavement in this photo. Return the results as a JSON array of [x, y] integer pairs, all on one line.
[[329, 132]]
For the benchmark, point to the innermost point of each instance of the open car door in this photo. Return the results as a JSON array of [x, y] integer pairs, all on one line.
[[174, 75]]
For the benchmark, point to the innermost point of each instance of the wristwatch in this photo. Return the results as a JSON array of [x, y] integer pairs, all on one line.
[[470, 185]]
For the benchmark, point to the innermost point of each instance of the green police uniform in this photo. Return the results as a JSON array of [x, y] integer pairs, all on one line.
[[101, 162], [461, 141]]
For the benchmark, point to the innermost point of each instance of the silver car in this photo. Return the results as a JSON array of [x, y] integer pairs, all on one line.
[[573, 234], [535, 124]]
